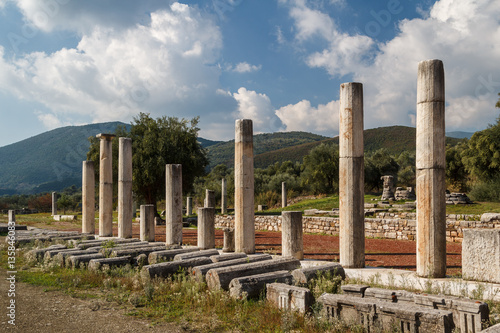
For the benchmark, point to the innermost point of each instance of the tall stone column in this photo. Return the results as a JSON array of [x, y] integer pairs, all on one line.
[[125, 188], [209, 198], [106, 185], [54, 203], [223, 202], [283, 195], [12, 215], [189, 206], [173, 204], [292, 244], [147, 224], [206, 228], [244, 225], [88, 197], [430, 163], [351, 176]]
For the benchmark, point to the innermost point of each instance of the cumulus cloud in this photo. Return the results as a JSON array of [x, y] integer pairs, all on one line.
[[303, 117], [258, 107], [115, 73], [244, 67], [453, 31]]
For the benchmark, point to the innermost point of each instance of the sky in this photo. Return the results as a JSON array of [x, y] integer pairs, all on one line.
[[277, 62]]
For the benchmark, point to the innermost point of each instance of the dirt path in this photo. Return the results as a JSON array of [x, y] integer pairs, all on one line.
[[38, 311]]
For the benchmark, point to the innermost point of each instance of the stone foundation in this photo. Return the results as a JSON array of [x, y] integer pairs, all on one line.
[[385, 225]]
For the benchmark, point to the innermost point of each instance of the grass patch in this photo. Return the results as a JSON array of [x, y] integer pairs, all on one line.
[[476, 208]]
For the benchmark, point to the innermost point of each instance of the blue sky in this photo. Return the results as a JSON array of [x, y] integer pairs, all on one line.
[[278, 62]]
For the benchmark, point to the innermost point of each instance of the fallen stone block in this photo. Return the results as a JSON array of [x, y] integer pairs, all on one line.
[[492, 329], [98, 264], [200, 271], [92, 243], [219, 278], [60, 258], [304, 275], [252, 286], [50, 254], [77, 260], [136, 251], [75, 237], [356, 290], [37, 255], [490, 217], [202, 253], [393, 296], [288, 297], [228, 256], [168, 255], [166, 269]]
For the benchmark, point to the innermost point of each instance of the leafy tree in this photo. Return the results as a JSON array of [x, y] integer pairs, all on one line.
[[321, 169], [42, 202], [481, 158], [379, 164], [155, 143], [407, 169], [64, 202], [456, 174]]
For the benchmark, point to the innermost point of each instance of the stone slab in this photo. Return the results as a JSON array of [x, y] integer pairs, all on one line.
[[200, 271], [481, 255], [304, 275], [166, 269], [288, 297], [253, 286], [98, 264], [202, 253], [157, 257]]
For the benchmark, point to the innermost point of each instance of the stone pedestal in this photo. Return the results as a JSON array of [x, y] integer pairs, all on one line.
[[388, 193], [209, 198], [228, 240], [173, 204], [292, 244], [351, 177], [189, 206], [206, 228], [147, 226], [125, 188], [244, 226], [54, 203], [224, 196], [106, 185], [430, 163], [12, 215], [283, 195], [88, 197]]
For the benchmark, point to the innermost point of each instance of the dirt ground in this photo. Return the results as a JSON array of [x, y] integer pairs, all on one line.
[[42, 311]]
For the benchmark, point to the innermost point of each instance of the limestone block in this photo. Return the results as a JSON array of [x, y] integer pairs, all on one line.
[[200, 271], [304, 275], [288, 297], [228, 256], [219, 278], [228, 240], [98, 264], [481, 255], [168, 255], [252, 286], [60, 258], [166, 269], [489, 217], [356, 290], [75, 261], [196, 254], [135, 251]]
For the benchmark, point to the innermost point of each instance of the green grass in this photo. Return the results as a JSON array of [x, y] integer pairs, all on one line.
[[325, 203], [477, 208]]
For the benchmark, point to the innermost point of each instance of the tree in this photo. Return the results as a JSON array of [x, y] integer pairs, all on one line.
[[481, 158], [155, 143], [456, 175], [321, 169], [379, 164]]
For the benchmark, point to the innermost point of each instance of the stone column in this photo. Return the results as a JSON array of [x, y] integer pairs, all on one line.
[[54, 203], [228, 240], [244, 225], [351, 176], [189, 206], [125, 188], [88, 197], [147, 226], [430, 163], [206, 228], [223, 202], [292, 244], [209, 198], [173, 204], [12, 215], [283, 195], [106, 186]]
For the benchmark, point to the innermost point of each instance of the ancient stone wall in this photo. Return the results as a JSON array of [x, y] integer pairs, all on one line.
[[384, 225]]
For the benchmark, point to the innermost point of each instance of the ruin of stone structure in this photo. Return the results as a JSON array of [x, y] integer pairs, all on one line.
[[173, 204], [388, 188], [125, 188], [105, 185], [88, 197]]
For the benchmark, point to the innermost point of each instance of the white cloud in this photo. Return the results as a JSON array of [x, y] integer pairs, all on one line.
[[258, 107], [244, 67], [163, 66], [304, 117], [465, 34], [49, 120]]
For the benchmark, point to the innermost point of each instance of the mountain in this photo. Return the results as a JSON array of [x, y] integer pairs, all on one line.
[[52, 160], [459, 135], [223, 152]]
